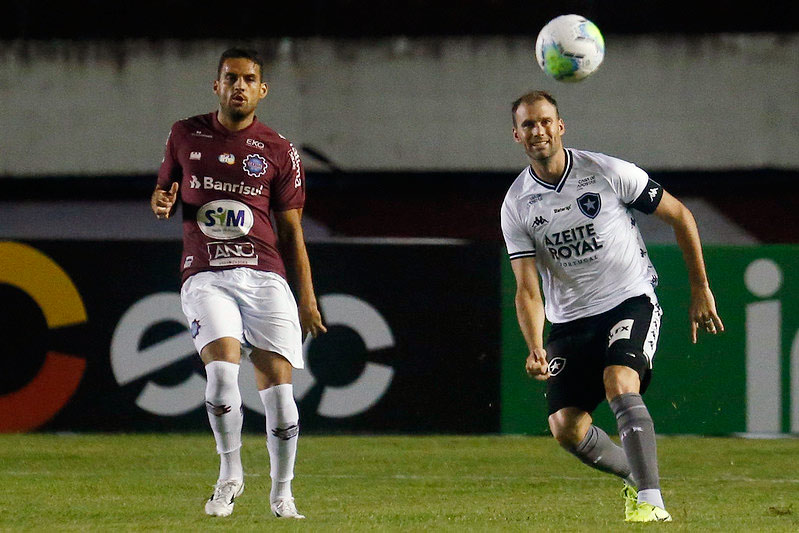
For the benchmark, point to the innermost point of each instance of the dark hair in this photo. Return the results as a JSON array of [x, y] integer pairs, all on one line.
[[241, 53], [531, 97]]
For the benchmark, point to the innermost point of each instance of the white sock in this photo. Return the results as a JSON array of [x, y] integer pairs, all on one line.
[[651, 496], [282, 430], [223, 403]]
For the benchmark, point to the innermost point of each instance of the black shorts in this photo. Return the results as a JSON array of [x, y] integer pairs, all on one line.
[[578, 352]]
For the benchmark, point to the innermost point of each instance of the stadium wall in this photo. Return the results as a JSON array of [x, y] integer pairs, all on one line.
[[720, 101], [96, 341]]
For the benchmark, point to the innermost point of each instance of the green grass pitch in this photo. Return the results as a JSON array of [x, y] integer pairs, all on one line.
[[120, 482]]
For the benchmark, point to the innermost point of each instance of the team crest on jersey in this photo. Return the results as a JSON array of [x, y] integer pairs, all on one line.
[[556, 366], [255, 165], [590, 203]]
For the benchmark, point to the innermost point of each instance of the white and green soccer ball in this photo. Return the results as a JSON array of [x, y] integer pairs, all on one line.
[[570, 48]]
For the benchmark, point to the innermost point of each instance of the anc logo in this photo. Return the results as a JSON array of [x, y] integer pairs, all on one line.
[[51, 288]]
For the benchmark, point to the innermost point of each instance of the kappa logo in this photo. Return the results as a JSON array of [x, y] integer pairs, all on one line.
[[556, 366], [590, 203], [539, 221], [194, 183], [653, 192]]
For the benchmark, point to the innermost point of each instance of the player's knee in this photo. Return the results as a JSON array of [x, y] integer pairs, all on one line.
[[620, 380], [567, 433]]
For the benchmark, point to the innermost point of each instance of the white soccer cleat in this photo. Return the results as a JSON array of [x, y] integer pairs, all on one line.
[[222, 500], [285, 508]]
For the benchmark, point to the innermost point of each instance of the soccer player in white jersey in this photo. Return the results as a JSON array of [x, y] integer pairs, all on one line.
[[568, 218]]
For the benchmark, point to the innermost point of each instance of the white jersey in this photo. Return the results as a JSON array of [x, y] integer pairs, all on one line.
[[582, 233]]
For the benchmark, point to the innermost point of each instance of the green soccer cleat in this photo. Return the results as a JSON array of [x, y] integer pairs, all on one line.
[[630, 495], [646, 512]]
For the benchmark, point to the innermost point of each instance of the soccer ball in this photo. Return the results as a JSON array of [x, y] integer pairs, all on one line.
[[570, 48]]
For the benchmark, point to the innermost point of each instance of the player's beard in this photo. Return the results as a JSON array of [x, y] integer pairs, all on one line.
[[238, 113]]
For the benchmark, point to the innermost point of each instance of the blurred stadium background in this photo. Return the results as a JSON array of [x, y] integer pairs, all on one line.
[[402, 114]]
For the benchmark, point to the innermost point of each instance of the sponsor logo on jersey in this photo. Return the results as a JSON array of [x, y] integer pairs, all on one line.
[[590, 203], [585, 182], [539, 221], [622, 330], [573, 243], [210, 184], [225, 219], [231, 253], [556, 366], [200, 133], [535, 198], [296, 166], [564, 208], [227, 159], [255, 143], [195, 156], [188, 261], [255, 165]]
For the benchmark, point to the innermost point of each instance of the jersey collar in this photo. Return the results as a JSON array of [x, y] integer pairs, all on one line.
[[562, 181]]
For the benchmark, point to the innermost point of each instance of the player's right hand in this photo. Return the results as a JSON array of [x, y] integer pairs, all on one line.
[[162, 202], [537, 366]]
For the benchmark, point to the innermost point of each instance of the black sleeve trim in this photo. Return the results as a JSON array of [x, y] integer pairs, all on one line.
[[649, 198], [519, 255]]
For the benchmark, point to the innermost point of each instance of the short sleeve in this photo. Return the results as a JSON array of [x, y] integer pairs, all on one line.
[[517, 240], [630, 180], [170, 169], [288, 185]]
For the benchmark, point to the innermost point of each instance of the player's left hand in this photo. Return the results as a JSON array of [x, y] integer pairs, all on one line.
[[703, 313], [311, 320]]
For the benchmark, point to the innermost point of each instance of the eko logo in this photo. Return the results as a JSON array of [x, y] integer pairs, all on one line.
[[225, 219], [57, 380]]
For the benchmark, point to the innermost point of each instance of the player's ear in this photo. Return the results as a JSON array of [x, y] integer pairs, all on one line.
[[264, 89], [516, 135], [216, 86], [561, 126]]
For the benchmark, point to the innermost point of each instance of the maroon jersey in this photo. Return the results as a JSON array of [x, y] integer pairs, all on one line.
[[229, 182]]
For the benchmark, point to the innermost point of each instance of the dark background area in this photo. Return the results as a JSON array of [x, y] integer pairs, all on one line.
[[362, 18]]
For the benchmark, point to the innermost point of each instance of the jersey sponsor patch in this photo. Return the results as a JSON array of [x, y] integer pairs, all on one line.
[[255, 165], [225, 219], [222, 253], [622, 330]]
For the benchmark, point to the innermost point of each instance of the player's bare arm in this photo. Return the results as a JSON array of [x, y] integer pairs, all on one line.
[[530, 312], [702, 312], [292, 249], [163, 202]]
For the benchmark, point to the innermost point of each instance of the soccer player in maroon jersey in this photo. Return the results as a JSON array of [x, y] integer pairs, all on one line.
[[231, 172]]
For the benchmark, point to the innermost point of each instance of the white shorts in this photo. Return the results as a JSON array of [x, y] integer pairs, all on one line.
[[253, 306]]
